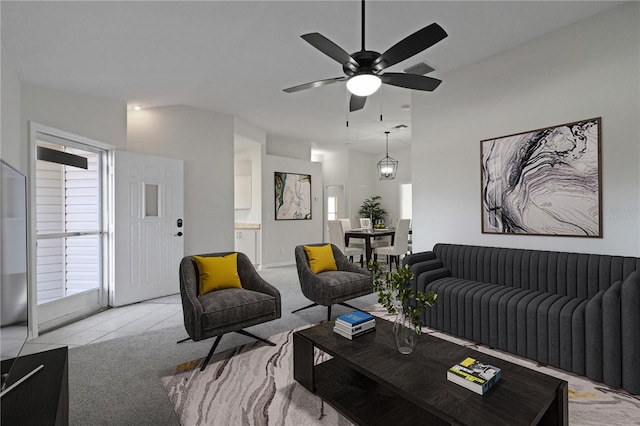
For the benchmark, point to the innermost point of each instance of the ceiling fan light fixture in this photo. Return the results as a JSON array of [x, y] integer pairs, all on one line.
[[364, 84]]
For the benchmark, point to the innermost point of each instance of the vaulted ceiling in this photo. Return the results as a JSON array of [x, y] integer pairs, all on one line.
[[235, 57]]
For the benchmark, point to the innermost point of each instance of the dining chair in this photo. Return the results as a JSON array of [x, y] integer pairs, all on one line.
[[365, 223], [353, 242], [336, 237], [400, 244]]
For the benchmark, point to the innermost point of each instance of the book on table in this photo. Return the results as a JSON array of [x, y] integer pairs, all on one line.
[[356, 328], [474, 375], [354, 319], [352, 336], [354, 324]]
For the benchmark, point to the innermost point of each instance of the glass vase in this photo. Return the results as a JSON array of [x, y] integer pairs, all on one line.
[[404, 334]]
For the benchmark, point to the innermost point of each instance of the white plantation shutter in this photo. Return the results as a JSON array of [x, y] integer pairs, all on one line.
[[68, 224]]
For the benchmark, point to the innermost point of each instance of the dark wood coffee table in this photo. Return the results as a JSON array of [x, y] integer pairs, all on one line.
[[371, 383]]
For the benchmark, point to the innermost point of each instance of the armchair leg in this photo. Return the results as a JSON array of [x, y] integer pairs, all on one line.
[[305, 307], [253, 336], [348, 306], [213, 348], [183, 340], [328, 313], [215, 345]]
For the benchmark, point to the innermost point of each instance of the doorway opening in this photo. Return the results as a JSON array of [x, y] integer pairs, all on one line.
[[69, 203], [405, 201]]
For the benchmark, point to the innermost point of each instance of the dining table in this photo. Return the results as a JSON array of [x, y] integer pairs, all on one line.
[[367, 235]]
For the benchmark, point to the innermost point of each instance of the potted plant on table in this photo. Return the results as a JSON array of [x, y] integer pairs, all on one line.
[[394, 293], [371, 208]]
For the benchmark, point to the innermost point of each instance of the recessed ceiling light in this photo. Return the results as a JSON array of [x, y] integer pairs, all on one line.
[[137, 107]]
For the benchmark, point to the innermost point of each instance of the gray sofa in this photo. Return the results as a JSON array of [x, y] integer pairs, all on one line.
[[576, 312]]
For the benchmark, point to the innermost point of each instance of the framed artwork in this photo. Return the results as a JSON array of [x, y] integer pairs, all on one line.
[[292, 196], [543, 182]]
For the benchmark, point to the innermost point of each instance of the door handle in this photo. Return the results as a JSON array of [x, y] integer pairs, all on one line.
[[179, 234]]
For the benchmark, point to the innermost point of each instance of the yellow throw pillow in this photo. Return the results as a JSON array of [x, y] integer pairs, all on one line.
[[217, 273], [321, 258]]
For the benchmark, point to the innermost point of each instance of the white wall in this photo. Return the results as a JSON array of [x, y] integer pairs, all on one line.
[[100, 119], [12, 150], [358, 172], [362, 175], [589, 69], [249, 131], [280, 237], [284, 147], [204, 140], [389, 190]]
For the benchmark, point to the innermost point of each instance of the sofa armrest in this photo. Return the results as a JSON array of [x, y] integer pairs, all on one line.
[[593, 337], [630, 320], [251, 280], [345, 265], [429, 265], [427, 277], [612, 335], [418, 257], [191, 306]]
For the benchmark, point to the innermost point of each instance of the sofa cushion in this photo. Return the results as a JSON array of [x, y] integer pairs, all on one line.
[[231, 306], [321, 258], [343, 283], [217, 273]]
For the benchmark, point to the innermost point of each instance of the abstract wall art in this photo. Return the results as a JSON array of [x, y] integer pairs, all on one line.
[[543, 182], [292, 196]]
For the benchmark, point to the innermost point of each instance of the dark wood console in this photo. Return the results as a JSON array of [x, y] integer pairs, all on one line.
[[42, 399]]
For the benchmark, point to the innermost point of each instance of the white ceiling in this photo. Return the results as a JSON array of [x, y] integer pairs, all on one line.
[[235, 57]]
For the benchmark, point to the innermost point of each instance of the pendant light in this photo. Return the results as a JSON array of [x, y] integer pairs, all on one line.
[[387, 167]]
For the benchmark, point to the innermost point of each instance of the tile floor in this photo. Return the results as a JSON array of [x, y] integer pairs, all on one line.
[[109, 324]]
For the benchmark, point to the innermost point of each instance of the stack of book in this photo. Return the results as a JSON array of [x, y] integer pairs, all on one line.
[[354, 324], [474, 375]]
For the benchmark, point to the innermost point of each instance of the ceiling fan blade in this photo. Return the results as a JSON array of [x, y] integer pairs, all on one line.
[[313, 84], [330, 49], [356, 103], [411, 45], [410, 81]]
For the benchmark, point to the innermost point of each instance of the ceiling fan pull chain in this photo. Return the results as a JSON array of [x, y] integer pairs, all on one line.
[[363, 25], [380, 103], [348, 108]]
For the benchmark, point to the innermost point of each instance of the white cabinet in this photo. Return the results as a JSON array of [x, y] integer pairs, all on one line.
[[246, 242]]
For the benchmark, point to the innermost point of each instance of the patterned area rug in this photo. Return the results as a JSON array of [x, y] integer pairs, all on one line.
[[253, 385], [250, 385]]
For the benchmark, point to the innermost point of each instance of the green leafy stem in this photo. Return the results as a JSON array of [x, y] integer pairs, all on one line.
[[395, 292]]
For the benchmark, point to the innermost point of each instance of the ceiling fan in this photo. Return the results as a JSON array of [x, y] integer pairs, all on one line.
[[364, 69]]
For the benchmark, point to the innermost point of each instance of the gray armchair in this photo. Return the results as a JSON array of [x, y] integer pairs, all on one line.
[[229, 310], [332, 287]]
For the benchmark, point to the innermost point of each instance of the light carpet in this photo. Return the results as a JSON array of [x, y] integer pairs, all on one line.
[[253, 385]]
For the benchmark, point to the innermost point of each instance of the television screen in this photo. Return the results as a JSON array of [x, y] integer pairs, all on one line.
[[13, 267]]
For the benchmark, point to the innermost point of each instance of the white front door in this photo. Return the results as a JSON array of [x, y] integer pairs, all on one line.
[[148, 231]]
